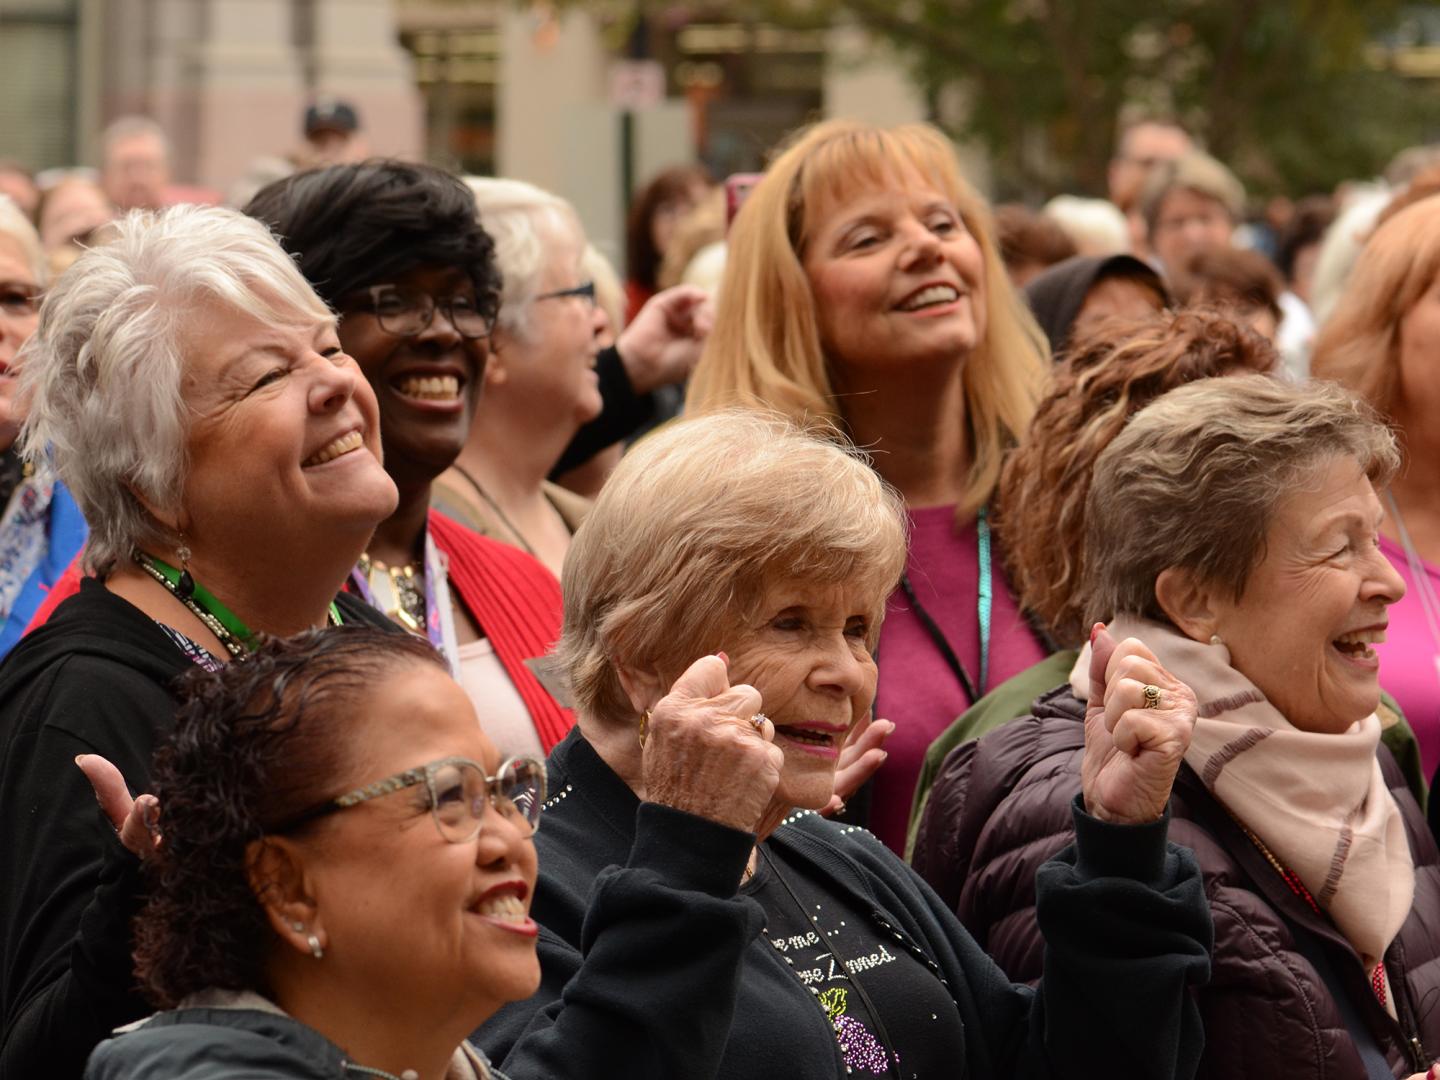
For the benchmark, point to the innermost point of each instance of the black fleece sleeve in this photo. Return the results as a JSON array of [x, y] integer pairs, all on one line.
[[650, 991], [624, 413]]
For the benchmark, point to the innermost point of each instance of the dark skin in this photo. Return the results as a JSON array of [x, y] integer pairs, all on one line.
[[427, 386]]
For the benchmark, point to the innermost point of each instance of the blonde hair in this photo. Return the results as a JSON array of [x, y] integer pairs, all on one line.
[[16, 226], [695, 523], [1359, 345], [765, 348]]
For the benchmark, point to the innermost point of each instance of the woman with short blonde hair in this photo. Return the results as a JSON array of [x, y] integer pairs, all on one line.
[[1382, 341], [864, 287]]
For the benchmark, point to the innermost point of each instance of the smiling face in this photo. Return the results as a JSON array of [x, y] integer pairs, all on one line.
[[897, 278], [284, 441], [1303, 628], [438, 926], [427, 385], [549, 374], [807, 655]]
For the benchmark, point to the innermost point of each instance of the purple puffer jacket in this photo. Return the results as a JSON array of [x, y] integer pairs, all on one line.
[[1001, 806]]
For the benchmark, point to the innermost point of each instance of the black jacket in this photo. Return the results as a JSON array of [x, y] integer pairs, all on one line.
[[95, 679], [652, 966]]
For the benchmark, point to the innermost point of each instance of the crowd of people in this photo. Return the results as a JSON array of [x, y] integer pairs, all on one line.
[[880, 634]]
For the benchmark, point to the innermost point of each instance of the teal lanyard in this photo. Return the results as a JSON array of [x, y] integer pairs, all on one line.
[[205, 603], [984, 603]]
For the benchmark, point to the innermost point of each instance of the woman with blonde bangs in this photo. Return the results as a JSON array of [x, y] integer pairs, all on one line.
[[863, 287], [1382, 342]]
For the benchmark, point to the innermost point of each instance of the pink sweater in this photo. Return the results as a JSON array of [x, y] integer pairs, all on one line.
[[1408, 658]]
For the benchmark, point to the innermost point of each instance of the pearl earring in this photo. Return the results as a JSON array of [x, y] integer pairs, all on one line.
[[1216, 639], [315, 949]]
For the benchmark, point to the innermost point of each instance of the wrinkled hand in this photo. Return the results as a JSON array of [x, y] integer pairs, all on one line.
[[662, 344], [860, 759], [704, 756], [136, 821], [1132, 753]]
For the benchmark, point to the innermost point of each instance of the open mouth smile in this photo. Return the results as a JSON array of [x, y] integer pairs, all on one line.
[[345, 444]]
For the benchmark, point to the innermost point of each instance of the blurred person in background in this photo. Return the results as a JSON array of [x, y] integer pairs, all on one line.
[[863, 287], [697, 236], [1073, 295], [397, 249], [18, 182], [71, 212], [1382, 342], [135, 170], [1231, 527], [40, 526], [1359, 209], [1297, 252], [346, 870], [1243, 284], [1030, 243], [588, 478], [656, 212], [225, 453], [1142, 145], [1096, 226], [332, 134], [1190, 205]]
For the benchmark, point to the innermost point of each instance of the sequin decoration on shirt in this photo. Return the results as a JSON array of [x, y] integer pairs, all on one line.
[[193, 652]]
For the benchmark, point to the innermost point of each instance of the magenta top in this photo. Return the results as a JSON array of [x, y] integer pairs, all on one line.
[[1408, 658], [918, 691]]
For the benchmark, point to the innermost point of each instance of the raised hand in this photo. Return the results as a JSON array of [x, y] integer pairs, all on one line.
[[860, 759], [136, 821], [1132, 749], [704, 755], [662, 343]]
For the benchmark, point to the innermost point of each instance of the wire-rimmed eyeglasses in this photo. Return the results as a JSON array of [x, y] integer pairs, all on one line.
[[458, 792], [584, 292], [407, 312]]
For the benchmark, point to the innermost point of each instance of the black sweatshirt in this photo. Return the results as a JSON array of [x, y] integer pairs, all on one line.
[[95, 679], [653, 966]]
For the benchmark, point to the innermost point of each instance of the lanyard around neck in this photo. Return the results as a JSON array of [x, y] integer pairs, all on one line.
[[984, 603], [232, 632]]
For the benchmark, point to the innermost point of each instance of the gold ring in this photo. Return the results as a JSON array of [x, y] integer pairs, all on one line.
[[1152, 696]]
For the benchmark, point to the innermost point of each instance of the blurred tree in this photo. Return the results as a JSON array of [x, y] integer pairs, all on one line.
[[1294, 94]]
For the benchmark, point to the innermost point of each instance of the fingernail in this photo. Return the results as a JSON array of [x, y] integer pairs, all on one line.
[[884, 756], [1095, 631], [723, 658], [79, 758]]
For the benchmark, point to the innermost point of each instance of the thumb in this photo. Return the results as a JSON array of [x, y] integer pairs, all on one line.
[[1102, 647], [109, 785], [707, 677]]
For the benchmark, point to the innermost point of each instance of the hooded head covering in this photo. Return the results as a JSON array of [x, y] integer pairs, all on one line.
[[1057, 295]]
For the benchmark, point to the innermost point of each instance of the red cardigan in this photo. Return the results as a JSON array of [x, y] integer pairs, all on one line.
[[512, 595]]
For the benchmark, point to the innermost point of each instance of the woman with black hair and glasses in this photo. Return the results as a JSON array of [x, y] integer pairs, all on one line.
[[398, 251], [306, 919]]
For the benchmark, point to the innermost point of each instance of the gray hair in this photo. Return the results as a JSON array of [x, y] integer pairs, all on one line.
[[694, 525], [1196, 171], [130, 127], [103, 374], [1193, 480], [15, 225], [518, 217]]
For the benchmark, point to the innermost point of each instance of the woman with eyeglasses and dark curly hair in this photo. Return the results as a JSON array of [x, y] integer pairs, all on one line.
[[345, 873], [398, 250]]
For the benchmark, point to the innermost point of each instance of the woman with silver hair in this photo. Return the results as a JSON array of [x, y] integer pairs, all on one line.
[[1239, 523], [544, 379], [226, 454], [40, 527], [698, 918]]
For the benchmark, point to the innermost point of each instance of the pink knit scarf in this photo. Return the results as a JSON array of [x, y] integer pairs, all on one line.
[[1318, 801]]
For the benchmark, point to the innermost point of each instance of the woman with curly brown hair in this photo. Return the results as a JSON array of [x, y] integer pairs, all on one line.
[[343, 883], [1111, 373]]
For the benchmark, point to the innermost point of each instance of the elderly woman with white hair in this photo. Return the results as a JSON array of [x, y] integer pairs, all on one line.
[[226, 454], [722, 602], [543, 383], [40, 527]]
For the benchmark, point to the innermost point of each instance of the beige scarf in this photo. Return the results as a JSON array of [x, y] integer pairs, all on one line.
[[1318, 802]]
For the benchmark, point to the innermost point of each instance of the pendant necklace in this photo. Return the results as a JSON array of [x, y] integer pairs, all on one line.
[[495, 507]]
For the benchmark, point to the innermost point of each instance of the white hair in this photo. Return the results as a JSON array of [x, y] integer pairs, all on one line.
[[1341, 247], [1095, 225], [15, 225], [103, 374], [522, 219]]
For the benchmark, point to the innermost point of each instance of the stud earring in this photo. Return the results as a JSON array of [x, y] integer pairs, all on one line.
[[1216, 639], [315, 949], [185, 587], [298, 927]]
